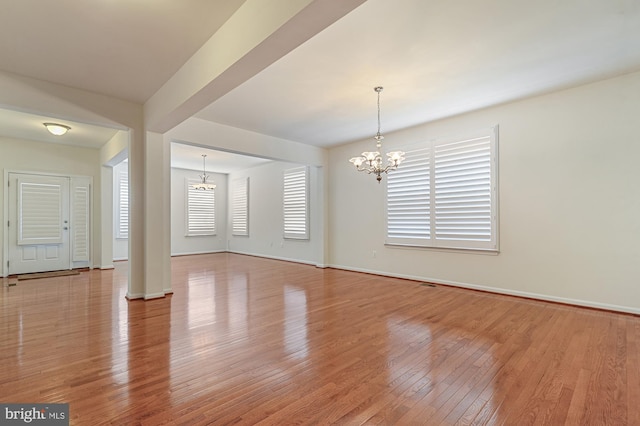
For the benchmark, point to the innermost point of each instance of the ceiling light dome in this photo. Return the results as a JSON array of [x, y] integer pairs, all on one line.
[[57, 129]]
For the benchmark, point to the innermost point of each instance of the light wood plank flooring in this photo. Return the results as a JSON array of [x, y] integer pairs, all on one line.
[[245, 340]]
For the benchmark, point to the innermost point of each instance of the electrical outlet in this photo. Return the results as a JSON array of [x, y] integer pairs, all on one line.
[[374, 254]]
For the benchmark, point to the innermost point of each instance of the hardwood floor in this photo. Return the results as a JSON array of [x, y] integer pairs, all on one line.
[[245, 340]]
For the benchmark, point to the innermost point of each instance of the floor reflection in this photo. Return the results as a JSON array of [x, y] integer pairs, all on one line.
[[295, 322], [444, 370], [201, 293]]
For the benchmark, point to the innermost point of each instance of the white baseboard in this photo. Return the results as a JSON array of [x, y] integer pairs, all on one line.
[[154, 296], [286, 259], [197, 252], [496, 290], [134, 296]]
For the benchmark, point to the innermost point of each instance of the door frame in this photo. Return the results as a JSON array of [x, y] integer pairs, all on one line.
[[5, 233]]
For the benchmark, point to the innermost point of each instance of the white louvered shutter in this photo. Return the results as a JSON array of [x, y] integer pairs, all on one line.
[[296, 203], [445, 194], [201, 210], [408, 200], [240, 207], [39, 213], [80, 219], [463, 190], [122, 211]]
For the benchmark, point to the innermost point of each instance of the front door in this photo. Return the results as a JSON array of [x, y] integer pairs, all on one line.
[[38, 223]]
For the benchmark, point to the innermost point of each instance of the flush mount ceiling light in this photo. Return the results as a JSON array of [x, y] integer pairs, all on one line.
[[203, 185], [57, 129], [371, 162]]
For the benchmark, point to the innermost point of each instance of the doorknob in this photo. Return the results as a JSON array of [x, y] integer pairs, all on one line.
[[65, 228]]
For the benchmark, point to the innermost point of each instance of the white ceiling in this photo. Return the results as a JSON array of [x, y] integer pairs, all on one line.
[[21, 125], [123, 48], [435, 58]]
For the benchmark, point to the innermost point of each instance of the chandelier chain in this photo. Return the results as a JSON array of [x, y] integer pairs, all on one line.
[[380, 89]]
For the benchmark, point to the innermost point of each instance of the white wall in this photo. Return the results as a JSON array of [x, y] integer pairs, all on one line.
[[181, 244], [569, 201], [266, 221], [269, 243], [31, 156]]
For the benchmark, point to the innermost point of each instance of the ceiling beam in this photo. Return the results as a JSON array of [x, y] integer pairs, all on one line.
[[256, 36]]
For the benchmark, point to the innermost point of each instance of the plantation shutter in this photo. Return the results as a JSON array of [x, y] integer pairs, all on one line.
[[445, 194], [463, 190], [122, 219], [201, 218], [240, 206], [408, 199], [80, 219], [39, 213], [296, 203]]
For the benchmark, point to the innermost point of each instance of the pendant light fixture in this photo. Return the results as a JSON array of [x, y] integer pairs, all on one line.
[[203, 185], [371, 161]]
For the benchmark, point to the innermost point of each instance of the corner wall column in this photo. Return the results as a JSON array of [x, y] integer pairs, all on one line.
[[157, 225]]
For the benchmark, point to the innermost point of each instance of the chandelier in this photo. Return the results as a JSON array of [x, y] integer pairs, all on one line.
[[371, 161], [203, 185]]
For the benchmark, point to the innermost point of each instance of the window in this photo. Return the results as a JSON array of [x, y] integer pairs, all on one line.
[[240, 207], [122, 202], [201, 210], [445, 194], [296, 203]]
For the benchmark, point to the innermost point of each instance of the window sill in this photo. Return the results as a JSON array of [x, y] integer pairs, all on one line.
[[490, 252]]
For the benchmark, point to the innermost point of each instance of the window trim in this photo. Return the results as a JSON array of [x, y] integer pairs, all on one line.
[[187, 203], [432, 242]]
